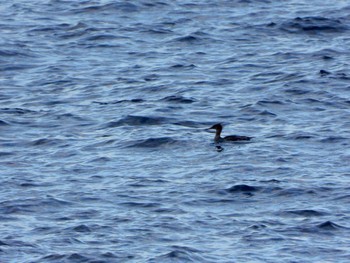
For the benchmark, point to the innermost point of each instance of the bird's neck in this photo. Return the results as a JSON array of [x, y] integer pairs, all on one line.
[[217, 135]]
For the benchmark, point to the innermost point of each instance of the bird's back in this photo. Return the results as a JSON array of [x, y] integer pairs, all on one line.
[[237, 138]]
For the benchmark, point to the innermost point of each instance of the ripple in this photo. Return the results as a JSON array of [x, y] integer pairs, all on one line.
[[187, 39], [305, 213], [13, 53], [17, 111], [296, 192], [30, 205], [270, 102], [140, 204], [180, 254], [3, 123], [76, 257], [45, 142], [300, 135], [153, 142], [178, 99], [267, 113], [297, 91], [6, 154], [53, 257], [329, 225], [138, 121], [121, 101], [333, 139], [324, 73], [82, 229], [100, 37], [191, 124], [183, 66], [242, 188], [122, 7], [3, 243], [314, 25]]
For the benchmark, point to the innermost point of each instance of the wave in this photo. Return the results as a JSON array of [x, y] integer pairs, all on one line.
[[314, 25], [329, 225], [333, 139], [153, 142], [242, 188], [178, 99], [304, 212], [76, 257], [187, 39], [120, 101], [133, 120], [3, 123], [45, 142], [119, 6], [138, 121], [180, 254]]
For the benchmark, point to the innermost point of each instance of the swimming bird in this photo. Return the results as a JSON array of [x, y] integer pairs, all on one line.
[[218, 138]]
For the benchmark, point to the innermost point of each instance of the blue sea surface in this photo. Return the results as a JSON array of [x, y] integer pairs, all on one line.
[[104, 149]]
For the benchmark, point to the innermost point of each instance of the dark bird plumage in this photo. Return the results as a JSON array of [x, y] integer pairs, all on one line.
[[218, 138]]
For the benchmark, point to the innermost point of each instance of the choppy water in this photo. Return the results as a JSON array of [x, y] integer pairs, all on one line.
[[104, 152]]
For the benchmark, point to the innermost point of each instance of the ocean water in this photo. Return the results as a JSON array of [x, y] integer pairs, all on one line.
[[104, 151]]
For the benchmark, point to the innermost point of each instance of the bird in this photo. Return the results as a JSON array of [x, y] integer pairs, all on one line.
[[218, 138]]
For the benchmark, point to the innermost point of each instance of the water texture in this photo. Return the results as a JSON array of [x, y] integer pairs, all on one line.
[[104, 151]]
